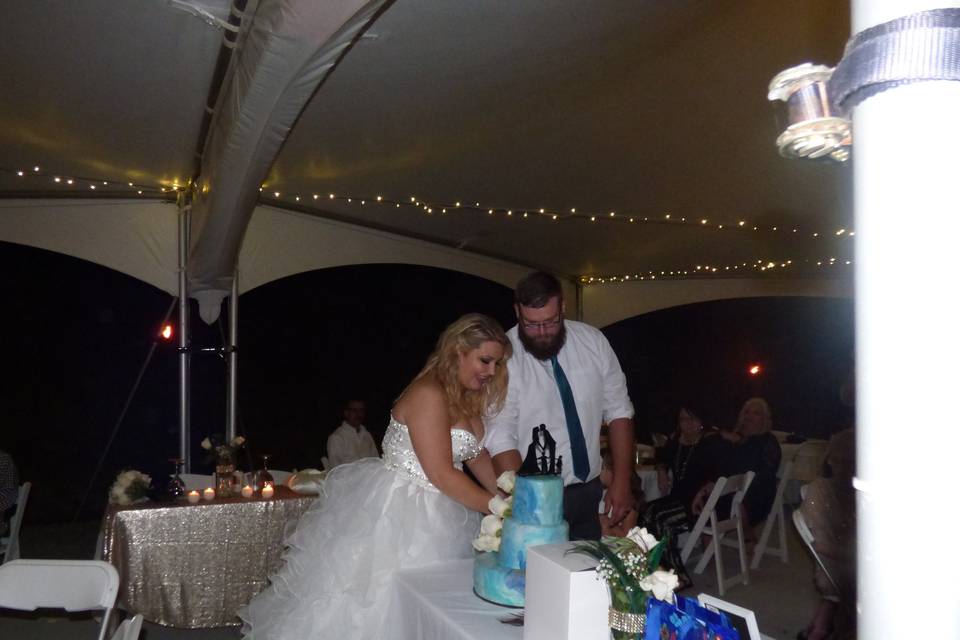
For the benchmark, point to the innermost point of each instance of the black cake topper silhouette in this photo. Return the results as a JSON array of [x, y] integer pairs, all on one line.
[[541, 457]]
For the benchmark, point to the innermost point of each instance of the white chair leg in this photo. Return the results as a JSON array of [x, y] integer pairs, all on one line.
[[761, 547], [744, 571], [718, 561], [784, 556]]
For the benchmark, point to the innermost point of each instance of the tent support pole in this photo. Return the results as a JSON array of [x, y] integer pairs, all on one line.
[[905, 194], [232, 382], [183, 244]]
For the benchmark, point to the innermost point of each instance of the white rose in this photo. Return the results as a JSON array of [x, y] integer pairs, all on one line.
[[118, 495], [487, 543], [491, 525], [661, 583], [507, 480], [238, 441], [499, 506], [642, 538], [206, 444]]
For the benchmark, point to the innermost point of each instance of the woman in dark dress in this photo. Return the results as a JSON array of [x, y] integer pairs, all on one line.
[[691, 460], [756, 449]]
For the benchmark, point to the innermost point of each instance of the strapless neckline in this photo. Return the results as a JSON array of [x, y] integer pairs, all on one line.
[[452, 429]]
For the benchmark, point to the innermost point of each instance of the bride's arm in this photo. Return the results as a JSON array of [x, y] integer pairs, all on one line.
[[424, 411], [482, 469]]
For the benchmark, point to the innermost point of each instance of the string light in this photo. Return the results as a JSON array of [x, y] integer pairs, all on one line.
[[759, 267]]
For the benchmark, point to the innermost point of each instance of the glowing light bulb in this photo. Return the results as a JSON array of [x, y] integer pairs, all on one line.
[[754, 369]]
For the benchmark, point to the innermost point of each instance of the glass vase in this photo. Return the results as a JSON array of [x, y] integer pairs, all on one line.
[[225, 468], [626, 625]]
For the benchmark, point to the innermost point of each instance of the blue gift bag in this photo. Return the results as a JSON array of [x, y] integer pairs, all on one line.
[[685, 620]]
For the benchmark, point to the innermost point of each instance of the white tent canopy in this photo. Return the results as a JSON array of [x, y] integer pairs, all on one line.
[[652, 113]]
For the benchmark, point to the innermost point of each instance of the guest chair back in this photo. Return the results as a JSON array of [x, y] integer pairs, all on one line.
[[10, 544], [73, 585], [807, 535], [280, 477], [129, 629], [709, 523], [775, 519], [197, 481]]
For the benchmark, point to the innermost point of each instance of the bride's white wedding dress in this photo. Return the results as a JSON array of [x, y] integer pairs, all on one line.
[[374, 516]]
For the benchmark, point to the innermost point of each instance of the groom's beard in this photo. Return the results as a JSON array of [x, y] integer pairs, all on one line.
[[544, 349]]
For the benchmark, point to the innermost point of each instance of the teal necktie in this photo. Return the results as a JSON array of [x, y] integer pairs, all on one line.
[[578, 446]]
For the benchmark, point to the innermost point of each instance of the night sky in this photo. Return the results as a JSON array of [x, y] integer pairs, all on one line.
[[79, 334]]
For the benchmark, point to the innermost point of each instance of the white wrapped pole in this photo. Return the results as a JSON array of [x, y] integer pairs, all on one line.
[[907, 195]]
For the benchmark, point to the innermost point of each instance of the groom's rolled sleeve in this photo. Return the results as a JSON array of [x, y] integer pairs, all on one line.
[[616, 398], [501, 431]]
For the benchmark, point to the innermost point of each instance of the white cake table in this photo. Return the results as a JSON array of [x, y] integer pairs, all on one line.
[[437, 603]]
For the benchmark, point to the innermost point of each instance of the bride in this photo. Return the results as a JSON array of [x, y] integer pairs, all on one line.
[[409, 508]]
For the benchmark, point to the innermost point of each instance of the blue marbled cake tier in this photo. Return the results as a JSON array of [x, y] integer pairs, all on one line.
[[537, 519], [516, 537], [538, 500], [496, 583]]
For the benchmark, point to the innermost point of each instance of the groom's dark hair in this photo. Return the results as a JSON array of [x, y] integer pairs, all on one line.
[[536, 289]]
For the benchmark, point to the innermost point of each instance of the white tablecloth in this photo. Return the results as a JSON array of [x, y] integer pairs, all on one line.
[[648, 476], [437, 603]]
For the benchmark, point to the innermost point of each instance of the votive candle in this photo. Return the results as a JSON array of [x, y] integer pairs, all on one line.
[[209, 493], [193, 497], [247, 491], [267, 491]]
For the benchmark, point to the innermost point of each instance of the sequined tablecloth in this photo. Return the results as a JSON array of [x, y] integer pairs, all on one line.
[[194, 565]]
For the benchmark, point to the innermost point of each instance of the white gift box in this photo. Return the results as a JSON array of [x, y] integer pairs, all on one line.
[[564, 598]]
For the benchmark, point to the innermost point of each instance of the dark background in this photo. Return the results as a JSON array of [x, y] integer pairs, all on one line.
[[79, 334]]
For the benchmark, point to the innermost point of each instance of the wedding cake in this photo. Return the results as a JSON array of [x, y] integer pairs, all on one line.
[[536, 518]]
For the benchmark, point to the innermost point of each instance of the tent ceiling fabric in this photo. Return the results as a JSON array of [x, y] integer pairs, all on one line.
[[639, 107], [284, 54]]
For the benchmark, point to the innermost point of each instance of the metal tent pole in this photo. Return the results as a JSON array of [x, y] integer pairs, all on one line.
[[184, 341], [907, 212], [232, 349]]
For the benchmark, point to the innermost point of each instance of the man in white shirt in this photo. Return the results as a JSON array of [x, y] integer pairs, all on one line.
[[565, 375], [351, 440]]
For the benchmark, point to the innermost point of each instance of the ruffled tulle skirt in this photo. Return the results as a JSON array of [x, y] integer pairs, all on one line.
[[336, 578]]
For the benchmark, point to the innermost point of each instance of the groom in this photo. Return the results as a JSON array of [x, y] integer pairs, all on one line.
[[565, 375]]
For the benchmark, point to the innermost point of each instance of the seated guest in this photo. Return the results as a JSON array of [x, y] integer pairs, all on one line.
[[607, 526], [755, 449], [9, 488], [830, 511], [351, 440], [687, 467]]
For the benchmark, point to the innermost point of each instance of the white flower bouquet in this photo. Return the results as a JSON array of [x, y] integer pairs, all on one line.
[[129, 487], [631, 568]]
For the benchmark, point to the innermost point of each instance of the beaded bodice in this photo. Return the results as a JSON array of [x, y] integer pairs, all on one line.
[[398, 453]]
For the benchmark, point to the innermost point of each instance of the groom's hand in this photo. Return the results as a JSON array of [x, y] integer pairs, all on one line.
[[618, 501]]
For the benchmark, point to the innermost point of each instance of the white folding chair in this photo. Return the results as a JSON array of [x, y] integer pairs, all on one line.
[[198, 481], [129, 629], [807, 536], [280, 477], [709, 524], [73, 585], [775, 518], [10, 544]]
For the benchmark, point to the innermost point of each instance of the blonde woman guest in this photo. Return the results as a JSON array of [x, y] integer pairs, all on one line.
[[412, 507], [756, 449]]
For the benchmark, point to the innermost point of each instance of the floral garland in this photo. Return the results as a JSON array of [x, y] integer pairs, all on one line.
[[491, 527]]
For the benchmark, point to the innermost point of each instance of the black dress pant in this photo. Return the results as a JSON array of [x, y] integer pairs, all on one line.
[[581, 506]]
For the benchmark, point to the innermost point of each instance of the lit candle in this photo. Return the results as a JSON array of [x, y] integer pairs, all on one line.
[[209, 493], [267, 491], [193, 497], [247, 491]]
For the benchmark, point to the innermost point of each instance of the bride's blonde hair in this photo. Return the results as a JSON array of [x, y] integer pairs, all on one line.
[[462, 336]]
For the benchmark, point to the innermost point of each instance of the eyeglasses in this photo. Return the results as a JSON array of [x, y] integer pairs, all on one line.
[[541, 326]]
